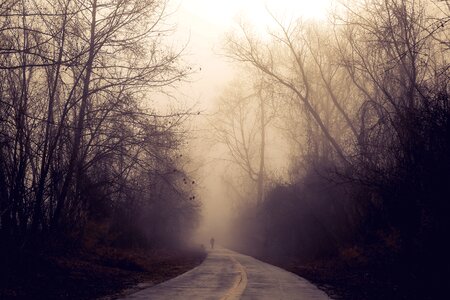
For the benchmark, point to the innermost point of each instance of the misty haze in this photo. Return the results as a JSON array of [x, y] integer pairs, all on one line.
[[240, 149]]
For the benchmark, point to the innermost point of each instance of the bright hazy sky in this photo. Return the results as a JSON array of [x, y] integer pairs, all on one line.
[[203, 24]]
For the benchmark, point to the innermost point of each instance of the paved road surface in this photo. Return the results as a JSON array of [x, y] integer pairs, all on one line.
[[227, 275]]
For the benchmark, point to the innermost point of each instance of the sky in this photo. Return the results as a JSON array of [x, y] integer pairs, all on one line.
[[202, 25]]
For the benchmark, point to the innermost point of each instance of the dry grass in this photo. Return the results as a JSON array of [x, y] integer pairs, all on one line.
[[90, 273]]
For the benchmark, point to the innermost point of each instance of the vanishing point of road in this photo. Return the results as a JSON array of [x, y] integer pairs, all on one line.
[[228, 275]]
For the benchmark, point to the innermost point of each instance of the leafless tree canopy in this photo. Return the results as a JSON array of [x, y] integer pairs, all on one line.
[[77, 138], [363, 100]]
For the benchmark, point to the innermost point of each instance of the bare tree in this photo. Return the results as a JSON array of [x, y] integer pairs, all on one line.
[[72, 73], [371, 88], [241, 125], [287, 62]]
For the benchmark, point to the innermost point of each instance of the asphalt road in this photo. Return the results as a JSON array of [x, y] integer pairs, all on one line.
[[227, 275]]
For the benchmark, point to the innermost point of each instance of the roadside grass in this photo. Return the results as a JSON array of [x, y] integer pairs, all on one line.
[[90, 273]]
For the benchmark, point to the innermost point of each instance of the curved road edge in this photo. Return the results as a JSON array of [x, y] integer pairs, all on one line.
[[228, 275]]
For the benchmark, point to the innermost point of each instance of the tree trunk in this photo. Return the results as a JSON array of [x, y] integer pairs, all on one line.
[[80, 126]]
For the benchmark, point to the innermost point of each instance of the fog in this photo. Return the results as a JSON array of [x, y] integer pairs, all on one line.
[[308, 133], [203, 26], [311, 133]]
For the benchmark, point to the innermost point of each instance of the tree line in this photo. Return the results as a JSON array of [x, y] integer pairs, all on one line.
[[363, 101], [81, 138]]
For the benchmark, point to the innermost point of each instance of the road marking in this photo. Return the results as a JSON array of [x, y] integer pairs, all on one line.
[[240, 284]]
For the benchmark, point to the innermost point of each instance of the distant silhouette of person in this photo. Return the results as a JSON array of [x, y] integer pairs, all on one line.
[[211, 241]]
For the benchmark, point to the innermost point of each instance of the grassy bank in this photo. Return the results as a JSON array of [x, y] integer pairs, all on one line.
[[90, 273], [361, 277]]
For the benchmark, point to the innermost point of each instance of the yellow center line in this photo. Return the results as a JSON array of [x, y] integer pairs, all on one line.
[[240, 284]]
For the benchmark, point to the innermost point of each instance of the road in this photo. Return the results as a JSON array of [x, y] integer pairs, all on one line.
[[228, 275]]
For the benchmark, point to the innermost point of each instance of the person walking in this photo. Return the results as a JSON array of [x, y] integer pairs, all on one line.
[[211, 241]]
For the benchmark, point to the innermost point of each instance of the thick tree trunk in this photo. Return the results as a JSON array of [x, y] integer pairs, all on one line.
[[80, 125], [261, 171], [47, 154]]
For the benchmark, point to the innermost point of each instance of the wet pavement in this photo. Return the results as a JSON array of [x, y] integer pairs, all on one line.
[[228, 275]]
